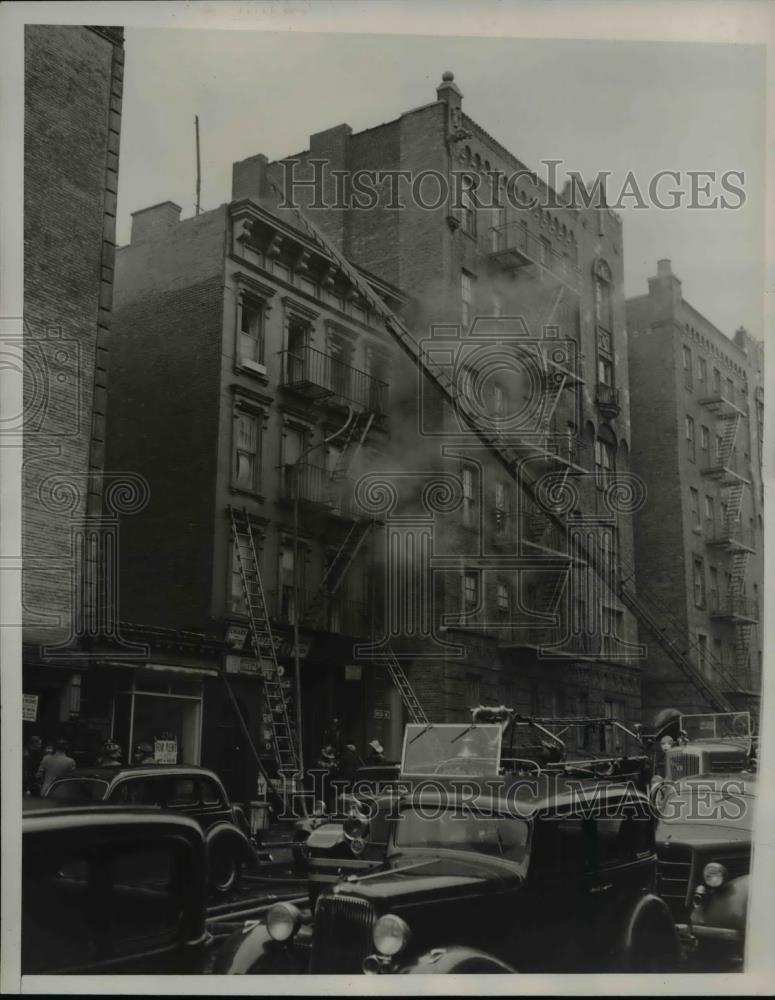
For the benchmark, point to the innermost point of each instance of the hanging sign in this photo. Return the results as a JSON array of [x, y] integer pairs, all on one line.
[[29, 707]]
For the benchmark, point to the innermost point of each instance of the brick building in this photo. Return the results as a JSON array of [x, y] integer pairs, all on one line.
[[558, 268], [697, 416], [72, 102], [240, 349]]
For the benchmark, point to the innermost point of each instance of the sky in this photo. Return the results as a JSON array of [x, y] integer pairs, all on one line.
[[595, 105]]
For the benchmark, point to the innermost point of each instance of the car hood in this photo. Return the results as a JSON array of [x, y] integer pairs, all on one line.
[[701, 835], [439, 875]]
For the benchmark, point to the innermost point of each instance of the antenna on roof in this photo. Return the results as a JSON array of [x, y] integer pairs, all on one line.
[[198, 165]]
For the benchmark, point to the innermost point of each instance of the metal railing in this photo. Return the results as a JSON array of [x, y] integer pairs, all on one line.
[[314, 372], [336, 614], [607, 397], [516, 237], [732, 534], [736, 606], [318, 488]]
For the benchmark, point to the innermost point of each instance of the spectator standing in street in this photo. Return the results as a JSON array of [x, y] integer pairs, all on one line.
[[375, 754], [33, 755], [53, 766]]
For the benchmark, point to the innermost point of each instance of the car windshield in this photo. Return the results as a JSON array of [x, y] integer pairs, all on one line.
[[78, 790], [451, 749], [463, 830]]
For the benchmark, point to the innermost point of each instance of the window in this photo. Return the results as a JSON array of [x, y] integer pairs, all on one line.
[[687, 358], [603, 315], [500, 507], [699, 582], [209, 793], [246, 453], [297, 357], [704, 440], [702, 653], [713, 592], [341, 355], [470, 591], [468, 207], [250, 343], [694, 505], [718, 651], [710, 511], [719, 446], [466, 299], [605, 371], [182, 792], [237, 593], [690, 438], [502, 601], [702, 370], [287, 608], [730, 393], [469, 500], [716, 381], [604, 461]]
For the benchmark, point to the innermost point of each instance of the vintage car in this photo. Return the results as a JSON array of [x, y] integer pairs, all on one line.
[[704, 850], [719, 742], [497, 742], [191, 791], [537, 878], [111, 890]]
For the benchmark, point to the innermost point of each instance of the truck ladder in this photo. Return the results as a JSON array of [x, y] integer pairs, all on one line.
[[390, 662], [506, 453], [283, 741]]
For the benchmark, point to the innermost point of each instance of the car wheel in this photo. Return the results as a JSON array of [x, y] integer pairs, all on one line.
[[225, 870], [654, 947]]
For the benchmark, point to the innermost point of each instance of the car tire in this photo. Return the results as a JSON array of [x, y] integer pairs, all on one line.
[[654, 947], [225, 870]]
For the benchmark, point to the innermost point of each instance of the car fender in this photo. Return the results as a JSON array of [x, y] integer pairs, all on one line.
[[252, 951], [455, 959], [726, 907], [226, 833], [648, 921]]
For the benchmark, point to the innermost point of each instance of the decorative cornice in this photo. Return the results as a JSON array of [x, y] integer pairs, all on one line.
[[257, 287]]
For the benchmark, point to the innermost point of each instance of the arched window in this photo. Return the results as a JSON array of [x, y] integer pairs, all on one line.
[[605, 454]]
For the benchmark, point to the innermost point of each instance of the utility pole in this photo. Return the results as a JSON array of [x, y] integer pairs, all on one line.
[[198, 165]]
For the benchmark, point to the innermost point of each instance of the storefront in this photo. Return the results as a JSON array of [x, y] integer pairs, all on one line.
[[162, 706]]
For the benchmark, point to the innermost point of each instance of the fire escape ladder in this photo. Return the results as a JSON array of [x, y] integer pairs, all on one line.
[[728, 435], [509, 455], [283, 740], [390, 662]]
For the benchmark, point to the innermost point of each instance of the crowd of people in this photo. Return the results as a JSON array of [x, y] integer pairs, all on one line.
[[44, 764]]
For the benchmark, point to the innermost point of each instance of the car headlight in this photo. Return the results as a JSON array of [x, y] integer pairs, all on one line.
[[282, 921], [714, 874], [391, 934]]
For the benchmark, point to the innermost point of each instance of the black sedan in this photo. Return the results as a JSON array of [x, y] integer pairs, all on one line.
[[191, 791]]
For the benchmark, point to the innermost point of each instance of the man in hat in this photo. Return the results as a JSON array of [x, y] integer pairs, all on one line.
[[53, 766]]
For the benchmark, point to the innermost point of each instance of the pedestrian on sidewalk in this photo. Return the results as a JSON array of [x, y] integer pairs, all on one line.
[[53, 766]]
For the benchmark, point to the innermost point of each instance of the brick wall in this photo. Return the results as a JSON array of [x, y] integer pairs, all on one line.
[[163, 422], [73, 85]]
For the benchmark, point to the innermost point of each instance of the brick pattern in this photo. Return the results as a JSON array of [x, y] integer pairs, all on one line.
[[72, 122]]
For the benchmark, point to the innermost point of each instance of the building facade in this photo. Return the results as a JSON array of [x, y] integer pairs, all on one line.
[[697, 417], [72, 101], [537, 635], [281, 393]]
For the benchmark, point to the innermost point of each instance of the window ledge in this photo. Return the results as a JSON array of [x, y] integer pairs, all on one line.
[[252, 368], [247, 493]]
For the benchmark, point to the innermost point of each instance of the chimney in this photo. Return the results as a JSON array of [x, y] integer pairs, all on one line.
[[249, 178], [154, 222], [665, 289], [449, 92], [742, 339]]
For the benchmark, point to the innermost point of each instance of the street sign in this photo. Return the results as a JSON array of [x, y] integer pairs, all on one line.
[[29, 707]]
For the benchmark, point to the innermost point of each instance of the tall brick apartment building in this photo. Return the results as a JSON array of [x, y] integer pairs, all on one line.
[[240, 349], [72, 90], [550, 272], [696, 400]]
